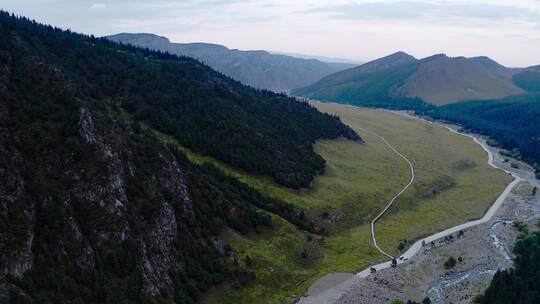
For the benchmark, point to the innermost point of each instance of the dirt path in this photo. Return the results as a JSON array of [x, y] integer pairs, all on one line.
[[487, 216], [391, 202]]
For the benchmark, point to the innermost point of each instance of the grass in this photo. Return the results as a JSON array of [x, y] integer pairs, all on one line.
[[275, 255], [356, 183], [454, 183]]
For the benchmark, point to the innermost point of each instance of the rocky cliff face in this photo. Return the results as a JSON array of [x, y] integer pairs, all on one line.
[[92, 210], [95, 207]]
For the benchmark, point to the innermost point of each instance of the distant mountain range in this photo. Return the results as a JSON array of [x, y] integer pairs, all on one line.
[[259, 69], [400, 80], [320, 58]]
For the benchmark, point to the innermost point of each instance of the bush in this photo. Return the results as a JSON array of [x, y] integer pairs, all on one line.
[[450, 263], [521, 227]]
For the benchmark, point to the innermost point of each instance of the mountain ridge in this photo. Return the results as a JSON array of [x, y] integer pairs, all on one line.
[[257, 68], [352, 74], [320, 58], [437, 79]]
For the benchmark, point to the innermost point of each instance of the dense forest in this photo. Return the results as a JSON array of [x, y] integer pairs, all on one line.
[[529, 79], [513, 122], [96, 209], [255, 130], [520, 284]]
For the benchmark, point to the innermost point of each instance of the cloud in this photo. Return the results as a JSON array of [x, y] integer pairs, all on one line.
[[432, 11], [98, 6], [360, 29]]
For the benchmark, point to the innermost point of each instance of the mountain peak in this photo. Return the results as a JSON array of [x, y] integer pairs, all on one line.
[[486, 62], [147, 37], [400, 55], [391, 60], [436, 57], [357, 73], [481, 61]]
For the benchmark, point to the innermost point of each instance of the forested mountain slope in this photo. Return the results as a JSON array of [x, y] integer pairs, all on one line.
[[93, 207], [360, 72], [401, 81], [258, 131], [259, 69], [513, 122], [370, 84], [528, 79]]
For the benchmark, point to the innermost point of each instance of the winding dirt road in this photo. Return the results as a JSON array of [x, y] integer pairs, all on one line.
[[487, 216], [373, 238]]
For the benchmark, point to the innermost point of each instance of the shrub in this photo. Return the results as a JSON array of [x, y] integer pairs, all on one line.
[[450, 263]]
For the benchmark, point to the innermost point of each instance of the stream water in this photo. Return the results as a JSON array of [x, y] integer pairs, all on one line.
[[527, 210]]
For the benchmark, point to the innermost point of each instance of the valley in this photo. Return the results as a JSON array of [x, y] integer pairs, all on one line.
[[454, 184], [480, 251], [137, 170]]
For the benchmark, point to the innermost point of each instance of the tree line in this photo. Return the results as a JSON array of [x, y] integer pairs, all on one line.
[[512, 122], [256, 130]]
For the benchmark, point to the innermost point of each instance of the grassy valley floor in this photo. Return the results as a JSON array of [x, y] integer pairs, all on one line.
[[453, 184]]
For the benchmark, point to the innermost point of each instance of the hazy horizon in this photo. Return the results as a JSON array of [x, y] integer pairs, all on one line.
[[355, 30]]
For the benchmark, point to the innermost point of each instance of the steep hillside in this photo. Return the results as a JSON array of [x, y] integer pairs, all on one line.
[[94, 208], [401, 81], [257, 131], [371, 84], [259, 69], [442, 80], [528, 79], [356, 74]]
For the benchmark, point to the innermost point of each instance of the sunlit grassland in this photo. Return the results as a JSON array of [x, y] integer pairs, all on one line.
[[453, 184], [358, 180]]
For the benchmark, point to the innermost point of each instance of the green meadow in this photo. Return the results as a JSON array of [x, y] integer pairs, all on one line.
[[453, 184]]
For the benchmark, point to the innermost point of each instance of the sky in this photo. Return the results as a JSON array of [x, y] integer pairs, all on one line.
[[507, 31]]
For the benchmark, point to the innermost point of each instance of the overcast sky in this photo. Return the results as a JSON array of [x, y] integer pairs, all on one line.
[[508, 31]]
